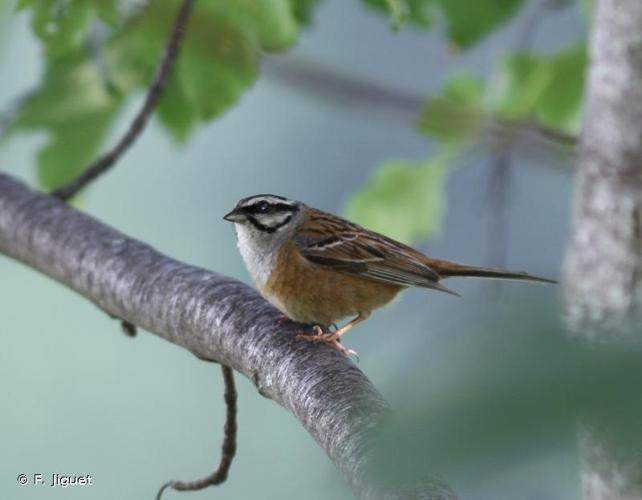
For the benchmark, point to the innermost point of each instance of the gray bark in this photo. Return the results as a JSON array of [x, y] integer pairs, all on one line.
[[603, 268], [211, 315], [603, 286]]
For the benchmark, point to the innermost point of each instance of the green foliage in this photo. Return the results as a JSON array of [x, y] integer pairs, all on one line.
[[107, 11], [62, 30], [76, 120], [395, 8], [405, 200], [415, 12], [455, 113], [468, 22], [303, 10], [62, 25], [83, 91], [548, 89], [177, 113]]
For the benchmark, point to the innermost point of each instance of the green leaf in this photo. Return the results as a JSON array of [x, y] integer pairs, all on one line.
[[269, 24], [76, 108], [175, 111], [72, 147], [81, 93], [302, 10], [455, 114], [395, 8], [405, 200], [548, 89], [415, 12], [70, 90], [61, 26], [107, 11], [469, 21], [561, 102], [23, 4], [218, 58]]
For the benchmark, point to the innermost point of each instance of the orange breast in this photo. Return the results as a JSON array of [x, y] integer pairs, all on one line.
[[309, 293]]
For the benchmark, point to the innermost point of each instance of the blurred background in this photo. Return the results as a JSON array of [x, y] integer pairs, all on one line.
[[331, 121]]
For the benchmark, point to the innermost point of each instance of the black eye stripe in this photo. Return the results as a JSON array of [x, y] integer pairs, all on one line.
[[284, 207], [259, 208]]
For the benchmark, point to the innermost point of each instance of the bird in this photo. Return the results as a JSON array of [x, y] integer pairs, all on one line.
[[317, 268]]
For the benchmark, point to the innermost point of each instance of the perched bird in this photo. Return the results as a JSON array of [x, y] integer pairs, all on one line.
[[317, 268]]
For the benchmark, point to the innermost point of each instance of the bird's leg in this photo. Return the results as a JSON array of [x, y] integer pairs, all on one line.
[[344, 329], [332, 339]]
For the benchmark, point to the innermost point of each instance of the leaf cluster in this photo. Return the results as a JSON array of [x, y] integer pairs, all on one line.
[[97, 56], [526, 89]]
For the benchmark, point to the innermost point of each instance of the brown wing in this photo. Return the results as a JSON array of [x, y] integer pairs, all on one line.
[[329, 241]]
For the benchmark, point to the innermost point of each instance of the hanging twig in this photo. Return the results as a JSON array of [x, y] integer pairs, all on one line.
[[228, 449], [154, 93], [500, 177], [214, 317], [100, 166]]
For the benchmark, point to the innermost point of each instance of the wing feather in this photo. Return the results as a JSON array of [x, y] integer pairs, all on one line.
[[330, 241]]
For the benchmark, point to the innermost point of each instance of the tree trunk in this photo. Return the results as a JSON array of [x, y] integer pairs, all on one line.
[[603, 268]]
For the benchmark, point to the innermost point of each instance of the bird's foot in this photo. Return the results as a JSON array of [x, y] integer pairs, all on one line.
[[329, 338], [282, 319]]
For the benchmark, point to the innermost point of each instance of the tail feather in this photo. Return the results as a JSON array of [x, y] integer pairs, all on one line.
[[447, 269]]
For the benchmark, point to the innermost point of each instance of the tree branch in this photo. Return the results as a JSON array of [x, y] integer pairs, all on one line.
[[154, 93], [211, 315]]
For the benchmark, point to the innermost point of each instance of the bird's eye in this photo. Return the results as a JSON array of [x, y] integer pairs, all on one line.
[[263, 207]]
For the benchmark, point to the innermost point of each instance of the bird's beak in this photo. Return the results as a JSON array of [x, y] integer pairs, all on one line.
[[234, 216]]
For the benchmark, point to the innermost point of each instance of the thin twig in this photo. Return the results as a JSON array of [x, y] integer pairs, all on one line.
[[340, 87], [500, 178], [228, 448], [563, 138], [499, 188], [154, 93], [100, 166], [214, 317]]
